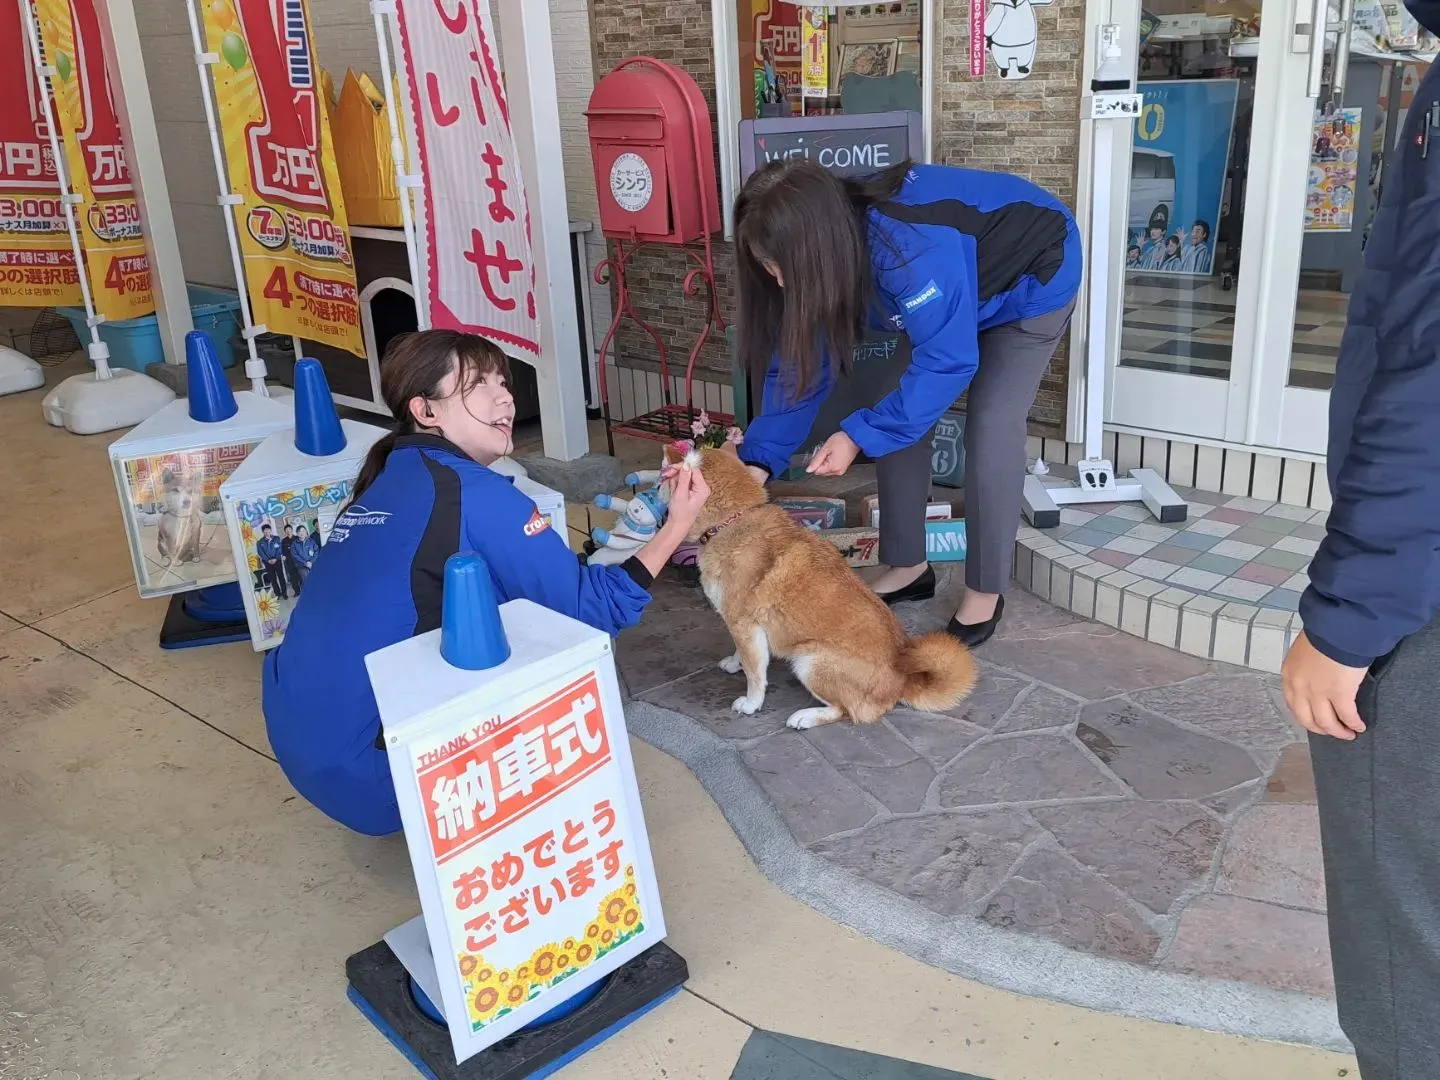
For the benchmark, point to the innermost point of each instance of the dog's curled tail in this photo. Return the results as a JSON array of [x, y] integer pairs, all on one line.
[[938, 672]]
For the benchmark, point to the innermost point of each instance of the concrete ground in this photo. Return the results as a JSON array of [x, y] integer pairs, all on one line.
[[170, 909]]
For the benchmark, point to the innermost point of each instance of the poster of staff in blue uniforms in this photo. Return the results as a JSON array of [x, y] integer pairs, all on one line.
[[1177, 183], [282, 535]]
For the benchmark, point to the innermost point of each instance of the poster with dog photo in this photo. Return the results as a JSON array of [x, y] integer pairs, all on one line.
[[281, 535], [173, 514]]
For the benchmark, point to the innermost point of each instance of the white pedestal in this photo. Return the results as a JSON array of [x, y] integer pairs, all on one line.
[[86, 405], [279, 486], [18, 372], [168, 472], [525, 767]]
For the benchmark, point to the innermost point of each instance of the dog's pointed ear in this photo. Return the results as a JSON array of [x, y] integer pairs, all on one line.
[[731, 448]]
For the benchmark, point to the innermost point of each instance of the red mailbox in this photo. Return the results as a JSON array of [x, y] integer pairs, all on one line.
[[653, 149], [654, 154]]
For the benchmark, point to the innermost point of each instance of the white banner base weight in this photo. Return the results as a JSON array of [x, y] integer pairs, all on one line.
[[18, 372], [87, 404]]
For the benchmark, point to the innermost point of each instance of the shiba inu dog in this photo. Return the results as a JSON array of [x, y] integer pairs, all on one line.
[[183, 519], [786, 592]]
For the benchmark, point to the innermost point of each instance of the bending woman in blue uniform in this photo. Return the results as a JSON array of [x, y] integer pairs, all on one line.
[[979, 270], [423, 494]]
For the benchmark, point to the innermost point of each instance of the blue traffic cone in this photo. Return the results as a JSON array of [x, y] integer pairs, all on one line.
[[317, 424], [211, 399], [471, 634]]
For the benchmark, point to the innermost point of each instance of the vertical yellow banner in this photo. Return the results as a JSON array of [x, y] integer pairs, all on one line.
[[815, 52], [109, 219], [275, 125], [37, 262]]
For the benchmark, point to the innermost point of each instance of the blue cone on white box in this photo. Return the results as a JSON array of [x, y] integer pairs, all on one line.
[[211, 399], [472, 636], [317, 424]]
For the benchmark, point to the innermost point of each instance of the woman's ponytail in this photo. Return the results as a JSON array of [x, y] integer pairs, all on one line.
[[374, 462]]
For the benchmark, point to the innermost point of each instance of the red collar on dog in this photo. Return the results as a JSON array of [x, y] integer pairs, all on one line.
[[715, 530]]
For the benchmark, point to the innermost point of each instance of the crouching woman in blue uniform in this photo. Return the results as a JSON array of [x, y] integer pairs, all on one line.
[[424, 493], [980, 271]]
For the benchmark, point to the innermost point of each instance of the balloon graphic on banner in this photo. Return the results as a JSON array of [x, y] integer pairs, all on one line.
[[223, 16], [232, 47]]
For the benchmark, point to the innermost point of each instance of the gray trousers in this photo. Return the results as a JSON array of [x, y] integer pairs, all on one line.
[[1012, 360], [1379, 800]]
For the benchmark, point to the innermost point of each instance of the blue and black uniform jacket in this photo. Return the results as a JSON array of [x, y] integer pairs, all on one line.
[[957, 252], [378, 580]]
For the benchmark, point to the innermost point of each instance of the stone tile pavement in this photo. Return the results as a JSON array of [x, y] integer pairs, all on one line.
[[1100, 791]]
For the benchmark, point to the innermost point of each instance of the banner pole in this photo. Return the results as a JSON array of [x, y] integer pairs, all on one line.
[[98, 351], [254, 364], [405, 180]]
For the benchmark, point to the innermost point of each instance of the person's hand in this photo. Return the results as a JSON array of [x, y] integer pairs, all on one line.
[[762, 477], [688, 495], [1320, 692], [835, 457]]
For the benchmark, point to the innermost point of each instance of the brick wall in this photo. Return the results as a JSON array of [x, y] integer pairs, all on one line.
[[1028, 127]]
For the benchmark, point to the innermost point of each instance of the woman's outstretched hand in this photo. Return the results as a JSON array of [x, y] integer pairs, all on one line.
[[835, 457], [688, 494]]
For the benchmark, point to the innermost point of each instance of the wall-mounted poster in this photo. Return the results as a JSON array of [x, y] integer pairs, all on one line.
[[1177, 181], [1334, 165]]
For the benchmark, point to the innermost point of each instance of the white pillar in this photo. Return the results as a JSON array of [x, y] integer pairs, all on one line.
[[535, 117], [125, 55]]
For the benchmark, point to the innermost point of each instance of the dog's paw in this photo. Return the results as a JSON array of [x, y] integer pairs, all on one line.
[[747, 706], [804, 719], [731, 664]]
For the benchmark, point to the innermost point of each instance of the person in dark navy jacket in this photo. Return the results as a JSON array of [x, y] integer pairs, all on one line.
[[423, 494], [980, 270], [1364, 676], [271, 553]]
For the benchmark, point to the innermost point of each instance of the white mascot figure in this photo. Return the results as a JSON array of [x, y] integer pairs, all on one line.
[[640, 518], [1010, 35]]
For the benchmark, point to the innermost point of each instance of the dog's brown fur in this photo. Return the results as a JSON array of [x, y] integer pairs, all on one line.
[[785, 592]]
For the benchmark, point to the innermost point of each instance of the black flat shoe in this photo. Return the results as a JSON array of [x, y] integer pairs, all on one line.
[[922, 588], [973, 635]]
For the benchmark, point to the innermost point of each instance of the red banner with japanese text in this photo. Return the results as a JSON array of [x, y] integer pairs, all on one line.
[[37, 262], [108, 216], [275, 126], [473, 220]]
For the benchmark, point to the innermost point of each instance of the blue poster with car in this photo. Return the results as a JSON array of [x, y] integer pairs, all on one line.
[[1177, 178]]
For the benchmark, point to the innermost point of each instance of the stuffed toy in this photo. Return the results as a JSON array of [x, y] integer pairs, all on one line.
[[640, 518]]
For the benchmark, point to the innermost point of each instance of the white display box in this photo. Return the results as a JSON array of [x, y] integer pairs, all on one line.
[[279, 486], [522, 818], [168, 472], [550, 502]]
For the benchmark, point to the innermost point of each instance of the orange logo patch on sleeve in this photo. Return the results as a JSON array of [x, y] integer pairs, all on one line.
[[537, 524]]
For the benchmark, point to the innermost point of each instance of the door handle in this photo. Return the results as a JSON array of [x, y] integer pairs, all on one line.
[[1315, 73]]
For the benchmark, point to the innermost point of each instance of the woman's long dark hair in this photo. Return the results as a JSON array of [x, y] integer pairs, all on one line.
[[417, 365], [812, 225]]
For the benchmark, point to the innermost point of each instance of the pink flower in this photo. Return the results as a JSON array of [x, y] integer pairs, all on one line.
[[734, 435]]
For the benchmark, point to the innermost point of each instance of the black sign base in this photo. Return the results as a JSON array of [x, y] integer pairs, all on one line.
[[380, 988], [181, 631]]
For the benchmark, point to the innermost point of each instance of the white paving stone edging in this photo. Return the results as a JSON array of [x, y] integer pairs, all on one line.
[[1209, 627]]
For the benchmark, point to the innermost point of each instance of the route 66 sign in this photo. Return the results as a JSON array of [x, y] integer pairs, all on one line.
[[631, 182], [947, 451]]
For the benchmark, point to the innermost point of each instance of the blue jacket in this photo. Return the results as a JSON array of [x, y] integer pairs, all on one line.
[[268, 548], [304, 551], [958, 252], [380, 582], [1376, 578]]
